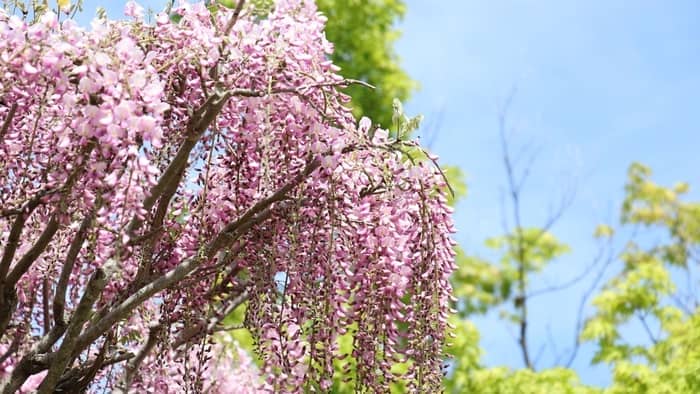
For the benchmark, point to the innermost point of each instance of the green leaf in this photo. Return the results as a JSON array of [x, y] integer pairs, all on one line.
[[175, 17], [231, 4]]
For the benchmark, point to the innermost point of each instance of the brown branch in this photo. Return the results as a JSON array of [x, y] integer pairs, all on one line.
[[241, 92], [36, 359], [78, 379], [52, 226], [582, 304], [59, 300], [573, 281], [34, 252], [204, 328], [45, 294], [199, 122], [29, 205], [514, 192], [256, 214], [234, 17], [8, 121], [279, 195], [63, 356], [13, 242], [14, 346], [155, 230], [8, 294], [133, 364]]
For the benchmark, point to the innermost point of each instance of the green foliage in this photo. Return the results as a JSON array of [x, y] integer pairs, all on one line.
[[455, 176], [674, 365], [401, 125], [364, 32], [480, 285], [533, 246], [523, 381], [603, 231], [465, 352], [228, 3], [240, 336], [642, 292]]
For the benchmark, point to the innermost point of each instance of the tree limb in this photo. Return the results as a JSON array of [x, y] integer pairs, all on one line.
[[8, 121], [63, 355]]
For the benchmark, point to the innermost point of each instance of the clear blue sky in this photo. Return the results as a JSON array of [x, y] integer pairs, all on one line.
[[600, 84]]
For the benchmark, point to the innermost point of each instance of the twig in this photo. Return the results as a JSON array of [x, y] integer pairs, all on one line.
[[645, 324], [195, 330], [134, 363], [582, 304], [234, 17], [8, 121], [514, 192], [571, 282]]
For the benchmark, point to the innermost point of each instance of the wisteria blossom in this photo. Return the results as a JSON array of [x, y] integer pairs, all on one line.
[[157, 175]]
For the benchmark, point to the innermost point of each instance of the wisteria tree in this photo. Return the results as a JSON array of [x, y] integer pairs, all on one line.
[[157, 175]]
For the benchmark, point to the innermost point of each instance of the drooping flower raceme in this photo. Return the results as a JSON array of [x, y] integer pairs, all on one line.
[[156, 176]]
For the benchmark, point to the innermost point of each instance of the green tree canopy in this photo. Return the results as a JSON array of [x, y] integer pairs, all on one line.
[[364, 32]]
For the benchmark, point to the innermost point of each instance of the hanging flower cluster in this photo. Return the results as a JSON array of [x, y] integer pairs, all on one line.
[[156, 176]]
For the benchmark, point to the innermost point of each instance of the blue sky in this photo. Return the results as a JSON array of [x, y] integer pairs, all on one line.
[[600, 84]]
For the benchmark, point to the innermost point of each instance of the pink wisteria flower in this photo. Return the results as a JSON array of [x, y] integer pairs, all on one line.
[[156, 177]]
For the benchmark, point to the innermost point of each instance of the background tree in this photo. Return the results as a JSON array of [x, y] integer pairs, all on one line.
[[653, 289], [363, 33]]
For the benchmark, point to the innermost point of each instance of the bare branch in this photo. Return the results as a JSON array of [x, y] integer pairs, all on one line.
[[59, 300], [13, 242], [63, 355], [23, 265], [133, 364], [582, 304], [11, 349], [203, 328], [81, 376], [519, 252], [234, 17], [34, 252], [8, 121], [30, 204], [573, 281], [645, 324]]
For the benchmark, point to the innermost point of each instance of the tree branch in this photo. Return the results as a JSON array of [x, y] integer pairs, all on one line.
[[133, 364], [199, 122], [7, 291], [234, 17], [194, 331], [256, 214], [8, 121], [582, 304], [63, 356], [519, 252], [59, 300]]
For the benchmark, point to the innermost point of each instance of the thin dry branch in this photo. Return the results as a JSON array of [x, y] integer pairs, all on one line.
[[8, 121]]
